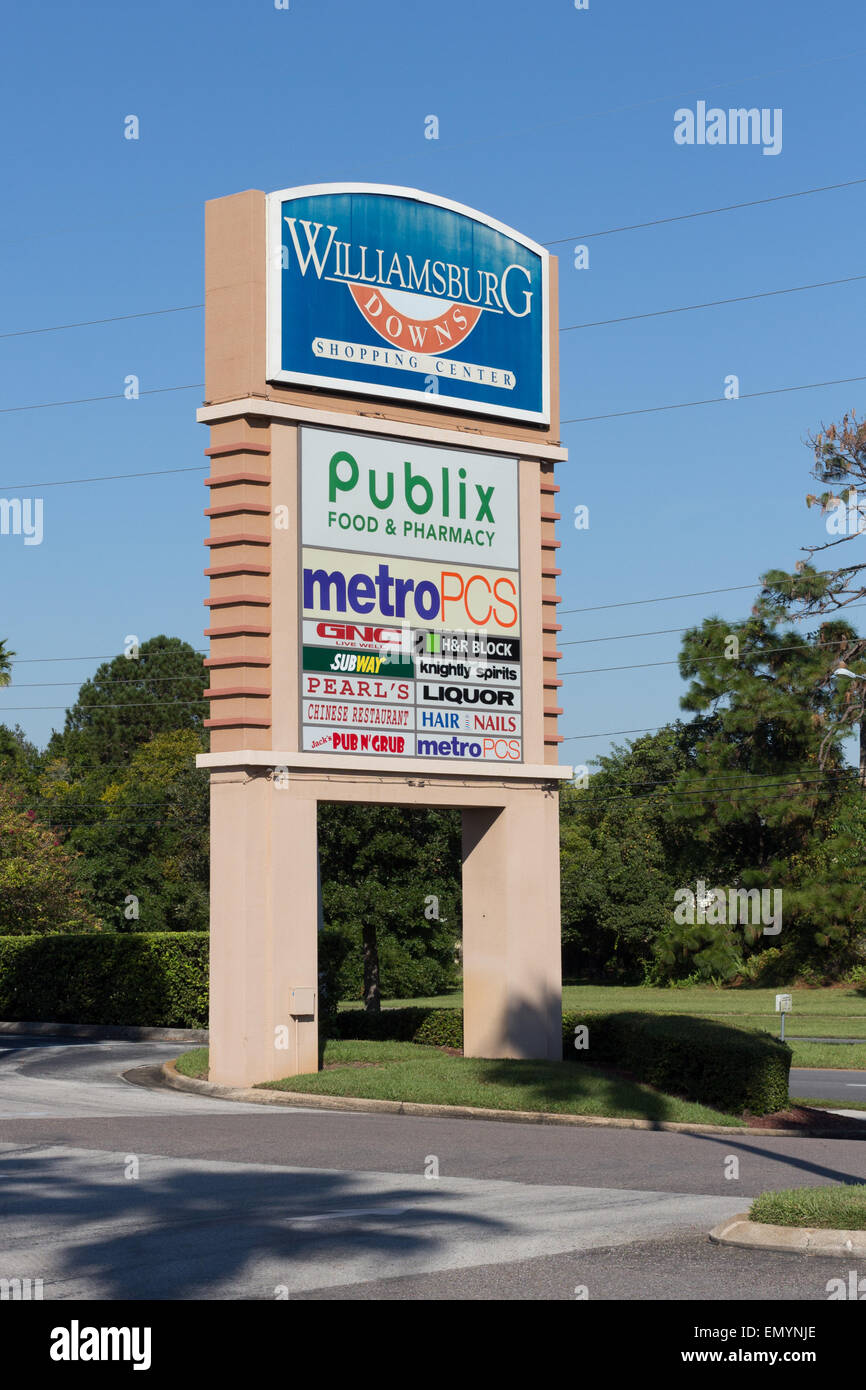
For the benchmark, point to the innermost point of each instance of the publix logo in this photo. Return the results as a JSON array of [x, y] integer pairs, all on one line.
[[399, 294]]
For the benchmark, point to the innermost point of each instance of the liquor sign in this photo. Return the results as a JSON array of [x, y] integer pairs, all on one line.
[[410, 594], [391, 292]]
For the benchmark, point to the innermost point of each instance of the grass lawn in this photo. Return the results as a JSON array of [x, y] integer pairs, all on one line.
[[193, 1063], [828, 1055], [822, 1103], [830, 1208], [407, 1071], [836, 1011]]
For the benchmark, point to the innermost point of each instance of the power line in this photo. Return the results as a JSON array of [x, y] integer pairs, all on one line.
[[614, 733], [658, 632], [706, 212], [547, 125], [89, 323], [714, 303], [576, 420], [89, 400], [622, 636], [26, 660], [107, 477], [712, 400], [567, 328], [109, 680], [764, 790], [664, 598], [750, 651], [95, 709]]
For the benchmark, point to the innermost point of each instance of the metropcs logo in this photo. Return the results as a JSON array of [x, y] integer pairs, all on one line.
[[370, 285]]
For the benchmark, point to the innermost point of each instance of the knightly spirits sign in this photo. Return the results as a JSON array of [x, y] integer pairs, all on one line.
[[394, 293], [410, 593]]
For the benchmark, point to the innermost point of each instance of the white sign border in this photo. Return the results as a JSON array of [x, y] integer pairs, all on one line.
[[274, 371]]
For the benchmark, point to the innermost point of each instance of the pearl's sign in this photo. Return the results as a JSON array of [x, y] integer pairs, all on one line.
[[394, 293]]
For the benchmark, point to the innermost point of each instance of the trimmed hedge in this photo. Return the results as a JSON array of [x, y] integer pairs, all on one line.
[[435, 1027], [733, 1069], [132, 979]]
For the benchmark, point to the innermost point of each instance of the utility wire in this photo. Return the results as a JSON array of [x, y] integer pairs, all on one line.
[[94, 709], [575, 420], [658, 632], [713, 303], [719, 656], [706, 212], [89, 323], [712, 400], [106, 477], [89, 400], [22, 660], [664, 598], [567, 328]]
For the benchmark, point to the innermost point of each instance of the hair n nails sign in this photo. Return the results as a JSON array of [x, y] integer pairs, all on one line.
[[394, 293]]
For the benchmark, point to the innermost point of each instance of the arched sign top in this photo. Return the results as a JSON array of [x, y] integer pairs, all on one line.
[[396, 293]]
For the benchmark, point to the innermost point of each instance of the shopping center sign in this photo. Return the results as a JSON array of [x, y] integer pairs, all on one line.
[[391, 292], [381, 386]]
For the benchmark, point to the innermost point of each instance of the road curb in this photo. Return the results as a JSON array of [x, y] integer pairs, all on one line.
[[295, 1099], [799, 1240], [106, 1033]]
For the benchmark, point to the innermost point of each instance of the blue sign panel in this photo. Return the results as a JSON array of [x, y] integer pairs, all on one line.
[[393, 293]]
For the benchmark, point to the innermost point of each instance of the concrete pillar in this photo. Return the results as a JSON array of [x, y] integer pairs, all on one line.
[[512, 965], [264, 918]]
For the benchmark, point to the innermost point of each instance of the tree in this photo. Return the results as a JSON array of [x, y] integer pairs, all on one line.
[[619, 855], [128, 702], [768, 776], [141, 839], [390, 895], [839, 453], [38, 891], [751, 794], [20, 760], [5, 664]]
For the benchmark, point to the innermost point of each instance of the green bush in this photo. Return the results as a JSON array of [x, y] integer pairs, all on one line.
[[434, 1027], [732, 1069], [135, 979], [408, 969]]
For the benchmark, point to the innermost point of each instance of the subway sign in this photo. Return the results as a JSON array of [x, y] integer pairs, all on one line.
[[393, 293], [410, 599]]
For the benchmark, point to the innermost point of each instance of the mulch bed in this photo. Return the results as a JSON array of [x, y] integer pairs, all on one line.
[[801, 1117]]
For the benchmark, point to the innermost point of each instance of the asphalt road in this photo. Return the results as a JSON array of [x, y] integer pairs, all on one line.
[[109, 1190], [830, 1084]]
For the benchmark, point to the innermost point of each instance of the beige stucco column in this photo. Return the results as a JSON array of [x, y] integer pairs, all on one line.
[[264, 917], [512, 969]]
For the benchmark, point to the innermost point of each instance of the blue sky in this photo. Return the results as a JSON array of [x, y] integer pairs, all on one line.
[[557, 121]]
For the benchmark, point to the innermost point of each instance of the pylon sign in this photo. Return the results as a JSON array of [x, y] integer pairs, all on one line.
[[394, 293], [381, 387], [410, 595]]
